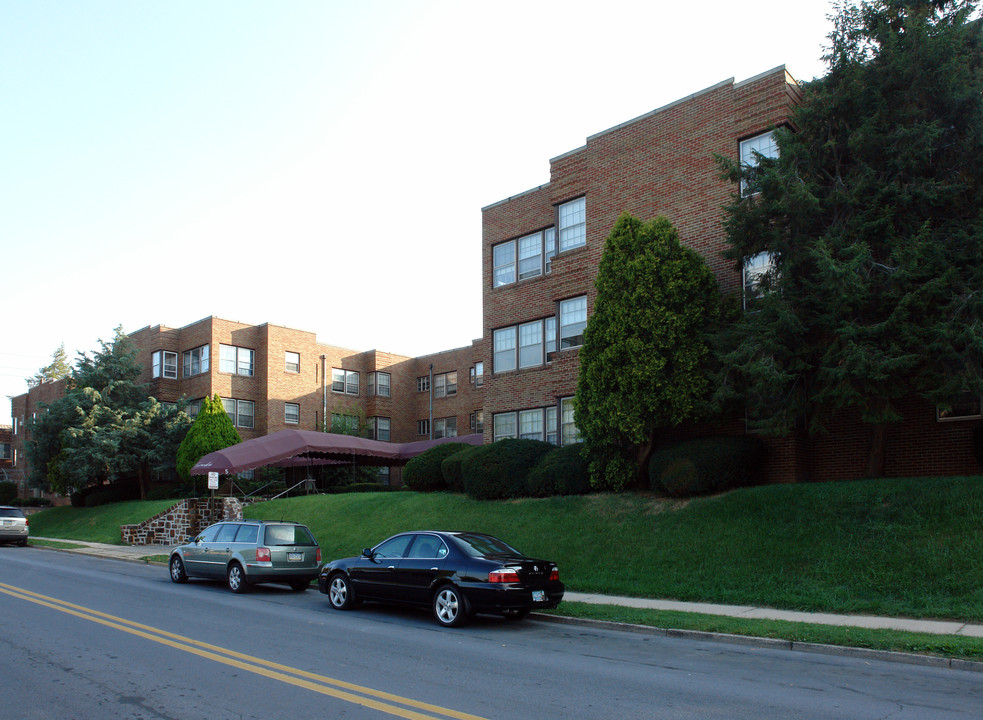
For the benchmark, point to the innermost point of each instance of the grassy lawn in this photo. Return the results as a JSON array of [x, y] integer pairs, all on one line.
[[902, 547]]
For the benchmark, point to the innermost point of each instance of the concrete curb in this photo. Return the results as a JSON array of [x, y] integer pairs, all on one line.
[[771, 643]]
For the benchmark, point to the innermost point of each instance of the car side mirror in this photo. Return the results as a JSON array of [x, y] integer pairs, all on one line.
[[367, 552]]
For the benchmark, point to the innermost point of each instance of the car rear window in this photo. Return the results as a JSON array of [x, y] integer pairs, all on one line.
[[11, 512], [289, 535], [481, 545]]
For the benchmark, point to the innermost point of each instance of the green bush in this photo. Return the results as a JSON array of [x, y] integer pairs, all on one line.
[[706, 465], [423, 474], [360, 488], [450, 468], [561, 471], [96, 495], [30, 502], [501, 470], [8, 491]]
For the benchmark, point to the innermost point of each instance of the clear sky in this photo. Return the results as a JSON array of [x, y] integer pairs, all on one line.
[[315, 164]]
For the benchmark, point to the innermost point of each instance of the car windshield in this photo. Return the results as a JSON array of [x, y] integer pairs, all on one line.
[[481, 545], [11, 512], [289, 535]]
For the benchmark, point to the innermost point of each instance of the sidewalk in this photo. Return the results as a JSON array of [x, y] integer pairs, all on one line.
[[137, 553]]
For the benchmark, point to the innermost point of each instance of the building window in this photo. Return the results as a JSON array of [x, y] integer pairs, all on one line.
[[344, 381], [504, 263], [531, 344], [194, 407], [379, 383], [344, 424], [5, 451], [531, 424], [752, 150], [291, 413], [241, 412], [384, 476], [164, 364], [422, 427], [445, 427], [573, 224], [477, 373], [573, 320], [195, 361], [379, 428], [504, 342], [445, 384], [527, 257], [291, 362], [504, 426], [236, 360], [758, 270], [965, 406], [423, 383], [568, 428]]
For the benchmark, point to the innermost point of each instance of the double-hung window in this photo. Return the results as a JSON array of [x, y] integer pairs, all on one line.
[[531, 344], [164, 364], [291, 413], [531, 424], [504, 342], [504, 425], [291, 362], [344, 381], [379, 384], [422, 427], [503, 260], [195, 361], [236, 360], [445, 384], [568, 428], [379, 428], [572, 221], [526, 257], [530, 255], [423, 384], [573, 320], [241, 412], [445, 427], [759, 269], [752, 150]]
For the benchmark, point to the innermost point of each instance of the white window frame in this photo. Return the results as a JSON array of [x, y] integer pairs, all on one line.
[[755, 268], [344, 382], [423, 383], [569, 433], [523, 258], [572, 224], [505, 425], [423, 427], [380, 426], [503, 264], [445, 427], [764, 145], [504, 348], [291, 413], [241, 412], [195, 357], [572, 321], [164, 365], [965, 406], [531, 344], [379, 384], [291, 362], [531, 424], [235, 360]]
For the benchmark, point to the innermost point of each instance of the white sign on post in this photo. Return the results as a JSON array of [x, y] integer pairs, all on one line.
[[213, 481]]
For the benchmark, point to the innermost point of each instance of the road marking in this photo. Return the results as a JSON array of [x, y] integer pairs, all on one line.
[[300, 678]]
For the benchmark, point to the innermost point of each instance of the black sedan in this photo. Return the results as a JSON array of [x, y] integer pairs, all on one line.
[[456, 574]]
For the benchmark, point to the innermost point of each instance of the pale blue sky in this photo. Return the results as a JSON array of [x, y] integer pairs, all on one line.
[[319, 165]]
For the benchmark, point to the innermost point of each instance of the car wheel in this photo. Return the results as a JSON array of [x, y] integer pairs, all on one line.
[[515, 613], [300, 585], [237, 579], [178, 573], [450, 608], [23, 543], [340, 593]]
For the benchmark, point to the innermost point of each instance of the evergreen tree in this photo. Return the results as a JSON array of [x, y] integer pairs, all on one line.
[[643, 365], [57, 370], [872, 216], [212, 430]]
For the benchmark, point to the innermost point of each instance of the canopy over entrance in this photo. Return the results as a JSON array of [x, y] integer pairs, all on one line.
[[290, 447]]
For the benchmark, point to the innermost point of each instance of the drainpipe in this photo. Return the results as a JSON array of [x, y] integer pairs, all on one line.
[[431, 401], [324, 394]]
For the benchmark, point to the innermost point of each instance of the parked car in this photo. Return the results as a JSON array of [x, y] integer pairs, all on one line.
[[245, 552], [456, 574], [13, 525]]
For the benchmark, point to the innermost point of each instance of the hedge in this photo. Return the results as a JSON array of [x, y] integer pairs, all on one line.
[[423, 473], [706, 465], [561, 471], [501, 470]]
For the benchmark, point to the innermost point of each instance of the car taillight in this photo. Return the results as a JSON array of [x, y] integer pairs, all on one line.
[[555, 574], [318, 558], [503, 575], [263, 554]]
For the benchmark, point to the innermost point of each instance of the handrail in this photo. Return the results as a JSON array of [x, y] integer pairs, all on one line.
[[302, 482]]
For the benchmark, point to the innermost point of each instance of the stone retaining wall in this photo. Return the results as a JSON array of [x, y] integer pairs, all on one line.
[[187, 518]]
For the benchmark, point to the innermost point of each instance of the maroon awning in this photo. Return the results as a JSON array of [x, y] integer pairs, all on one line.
[[297, 444]]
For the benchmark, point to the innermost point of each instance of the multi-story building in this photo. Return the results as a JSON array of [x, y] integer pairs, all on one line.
[[540, 255]]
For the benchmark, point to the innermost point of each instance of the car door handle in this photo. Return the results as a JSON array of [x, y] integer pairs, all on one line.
[[392, 567], [433, 568]]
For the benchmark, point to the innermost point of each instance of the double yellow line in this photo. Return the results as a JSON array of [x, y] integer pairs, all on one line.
[[339, 689]]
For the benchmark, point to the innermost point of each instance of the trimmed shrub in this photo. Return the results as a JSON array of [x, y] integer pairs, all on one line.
[[450, 468], [561, 471], [30, 502], [361, 488], [706, 465], [8, 491], [96, 495], [501, 470], [423, 473]]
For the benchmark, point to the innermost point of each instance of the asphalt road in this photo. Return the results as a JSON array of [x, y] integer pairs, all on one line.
[[93, 638]]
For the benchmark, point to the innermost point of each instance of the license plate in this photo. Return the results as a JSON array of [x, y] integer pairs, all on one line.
[[295, 557], [8, 522], [539, 596]]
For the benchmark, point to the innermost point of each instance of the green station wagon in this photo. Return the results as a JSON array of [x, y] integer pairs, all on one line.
[[245, 552]]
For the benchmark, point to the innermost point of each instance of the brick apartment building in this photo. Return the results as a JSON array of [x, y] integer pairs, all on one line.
[[540, 255]]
